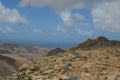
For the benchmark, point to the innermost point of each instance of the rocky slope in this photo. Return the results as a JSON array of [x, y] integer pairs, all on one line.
[[101, 62], [10, 64]]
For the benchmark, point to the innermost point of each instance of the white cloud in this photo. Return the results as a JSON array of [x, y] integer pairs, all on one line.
[[63, 5], [71, 26], [84, 32], [8, 30], [105, 13], [67, 18], [106, 16], [79, 16], [74, 30], [10, 15], [57, 5], [61, 28]]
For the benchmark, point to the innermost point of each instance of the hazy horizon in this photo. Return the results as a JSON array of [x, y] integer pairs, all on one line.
[[42, 44]]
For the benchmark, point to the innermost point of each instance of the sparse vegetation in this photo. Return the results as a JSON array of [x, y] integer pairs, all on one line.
[[77, 55], [66, 68], [86, 70], [24, 77], [50, 76], [73, 78]]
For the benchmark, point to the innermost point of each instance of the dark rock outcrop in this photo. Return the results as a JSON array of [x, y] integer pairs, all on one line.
[[55, 51]]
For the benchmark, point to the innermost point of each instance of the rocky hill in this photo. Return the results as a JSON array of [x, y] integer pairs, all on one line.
[[97, 59], [10, 64], [97, 43]]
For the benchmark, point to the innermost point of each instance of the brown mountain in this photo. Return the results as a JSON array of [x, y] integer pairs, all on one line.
[[96, 59], [10, 64]]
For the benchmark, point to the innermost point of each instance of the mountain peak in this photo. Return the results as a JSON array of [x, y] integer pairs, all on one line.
[[102, 38]]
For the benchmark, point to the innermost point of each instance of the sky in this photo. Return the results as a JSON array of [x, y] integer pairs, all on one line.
[[58, 23]]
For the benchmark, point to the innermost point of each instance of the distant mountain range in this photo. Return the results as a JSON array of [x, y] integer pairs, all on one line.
[[15, 49], [28, 52]]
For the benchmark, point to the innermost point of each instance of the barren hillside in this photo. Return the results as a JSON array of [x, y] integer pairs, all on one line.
[[79, 63], [10, 64]]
